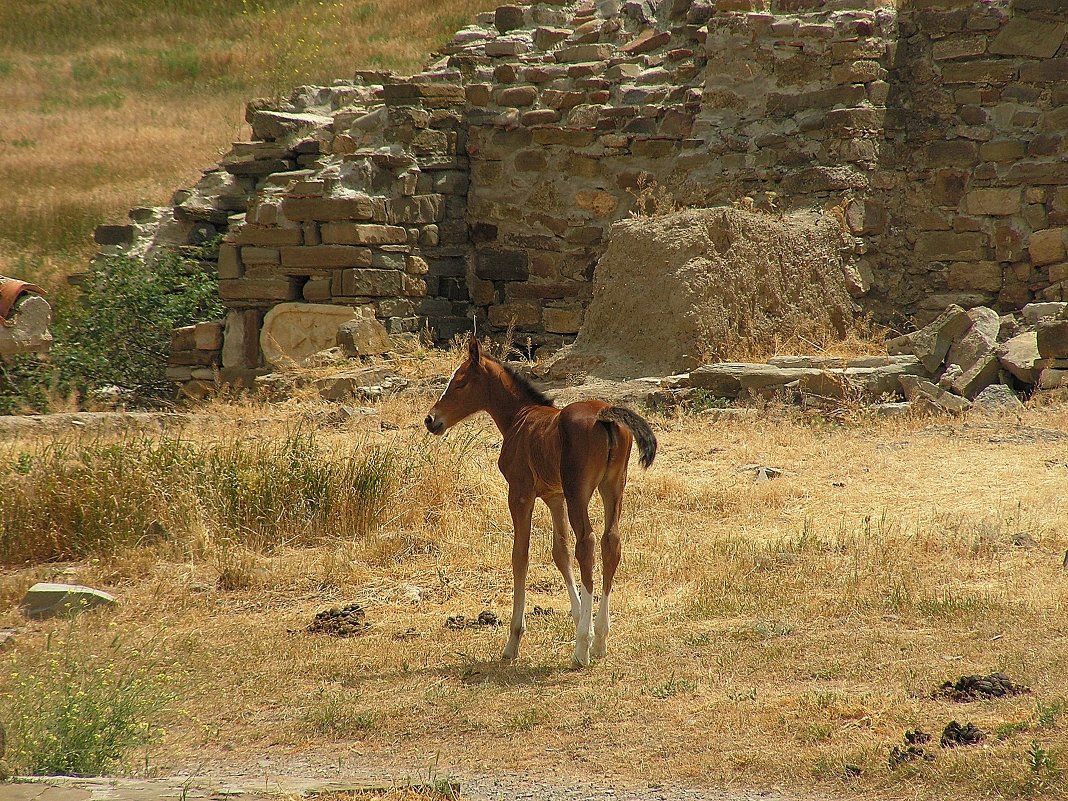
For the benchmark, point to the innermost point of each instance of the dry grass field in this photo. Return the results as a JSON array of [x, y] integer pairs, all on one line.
[[111, 105], [766, 634]]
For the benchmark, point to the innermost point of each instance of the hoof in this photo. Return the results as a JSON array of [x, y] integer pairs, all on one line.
[[508, 657], [599, 650], [580, 659]]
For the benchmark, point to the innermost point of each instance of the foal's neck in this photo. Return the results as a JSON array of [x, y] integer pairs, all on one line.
[[507, 398]]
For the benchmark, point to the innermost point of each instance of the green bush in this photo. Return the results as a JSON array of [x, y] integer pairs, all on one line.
[[117, 331], [72, 710]]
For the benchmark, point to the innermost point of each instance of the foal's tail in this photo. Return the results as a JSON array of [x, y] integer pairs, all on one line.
[[638, 427]]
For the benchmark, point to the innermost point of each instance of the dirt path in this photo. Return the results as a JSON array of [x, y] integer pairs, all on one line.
[[215, 784]]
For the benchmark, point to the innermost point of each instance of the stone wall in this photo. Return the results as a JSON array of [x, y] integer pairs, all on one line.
[[487, 184]]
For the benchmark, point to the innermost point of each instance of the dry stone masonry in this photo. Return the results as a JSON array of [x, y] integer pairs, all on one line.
[[488, 184]]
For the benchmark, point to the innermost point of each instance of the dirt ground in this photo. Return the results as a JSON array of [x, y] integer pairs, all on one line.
[[771, 638]]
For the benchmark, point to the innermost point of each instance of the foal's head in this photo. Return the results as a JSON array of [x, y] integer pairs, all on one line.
[[467, 392]]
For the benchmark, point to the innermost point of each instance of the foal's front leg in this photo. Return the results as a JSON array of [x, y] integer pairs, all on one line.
[[521, 505]]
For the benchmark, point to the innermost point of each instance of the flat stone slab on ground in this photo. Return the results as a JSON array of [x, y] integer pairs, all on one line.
[[46, 599]]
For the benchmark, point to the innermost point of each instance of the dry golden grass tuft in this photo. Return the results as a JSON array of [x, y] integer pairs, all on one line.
[[108, 106], [783, 633]]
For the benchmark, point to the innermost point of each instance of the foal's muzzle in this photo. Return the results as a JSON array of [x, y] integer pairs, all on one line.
[[433, 425]]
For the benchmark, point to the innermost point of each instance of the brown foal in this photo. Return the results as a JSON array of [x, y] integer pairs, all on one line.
[[561, 456]]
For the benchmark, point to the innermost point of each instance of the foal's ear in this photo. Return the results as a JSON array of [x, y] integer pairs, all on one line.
[[474, 350]]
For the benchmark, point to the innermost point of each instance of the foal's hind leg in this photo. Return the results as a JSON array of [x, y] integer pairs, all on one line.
[[561, 555], [578, 501], [521, 505], [611, 490]]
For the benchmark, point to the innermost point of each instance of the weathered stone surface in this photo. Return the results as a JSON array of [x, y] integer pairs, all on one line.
[[517, 96], [975, 353], [357, 207], [1053, 378], [997, 399], [932, 342], [26, 330], [584, 52], [1027, 37], [294, 331], [275, 125], [1033, 312], [325, 256], [924, 394], [867, 383], [369, 283], [363, 337], [1052, 339], [508, 18], [499, 264], [344, 233], [734, 379], [1020, 357], [241, 342], [999, 202], [208, 335], [46, 599], [1047, 246]]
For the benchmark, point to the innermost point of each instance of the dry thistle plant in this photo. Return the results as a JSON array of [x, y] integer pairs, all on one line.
[[651, 199]]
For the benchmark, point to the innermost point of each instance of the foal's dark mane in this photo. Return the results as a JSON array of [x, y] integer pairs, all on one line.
[[535, 395]]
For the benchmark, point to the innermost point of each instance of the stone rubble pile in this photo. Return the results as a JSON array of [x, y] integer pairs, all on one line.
[[959, 359]]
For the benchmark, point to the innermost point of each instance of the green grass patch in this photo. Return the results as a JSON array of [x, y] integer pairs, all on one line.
[[73, 709]]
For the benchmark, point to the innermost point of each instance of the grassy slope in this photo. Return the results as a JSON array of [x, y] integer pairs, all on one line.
[[113, 105]]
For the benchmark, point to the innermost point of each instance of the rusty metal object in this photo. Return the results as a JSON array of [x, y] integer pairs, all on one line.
[[10, 291]]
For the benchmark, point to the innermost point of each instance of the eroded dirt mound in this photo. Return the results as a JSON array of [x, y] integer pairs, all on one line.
[[974, 688], [704, 285]]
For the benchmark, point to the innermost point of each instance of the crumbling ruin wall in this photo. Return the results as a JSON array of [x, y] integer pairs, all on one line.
[[486, 185]]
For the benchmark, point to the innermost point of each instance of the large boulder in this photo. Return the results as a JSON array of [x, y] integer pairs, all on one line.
[[672, 292]]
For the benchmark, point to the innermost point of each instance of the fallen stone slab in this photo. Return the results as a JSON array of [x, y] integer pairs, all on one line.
[[931, 343], [1033, 312], [925, 394], [975, 353], [734, 379], [898, 409], [862, 382], [371, 382], [293, 332], [1053, 378], [1020, 357], [46, 599]]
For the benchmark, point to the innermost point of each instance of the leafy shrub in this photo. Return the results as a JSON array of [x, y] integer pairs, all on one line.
[[72, 711], [118, 330]]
